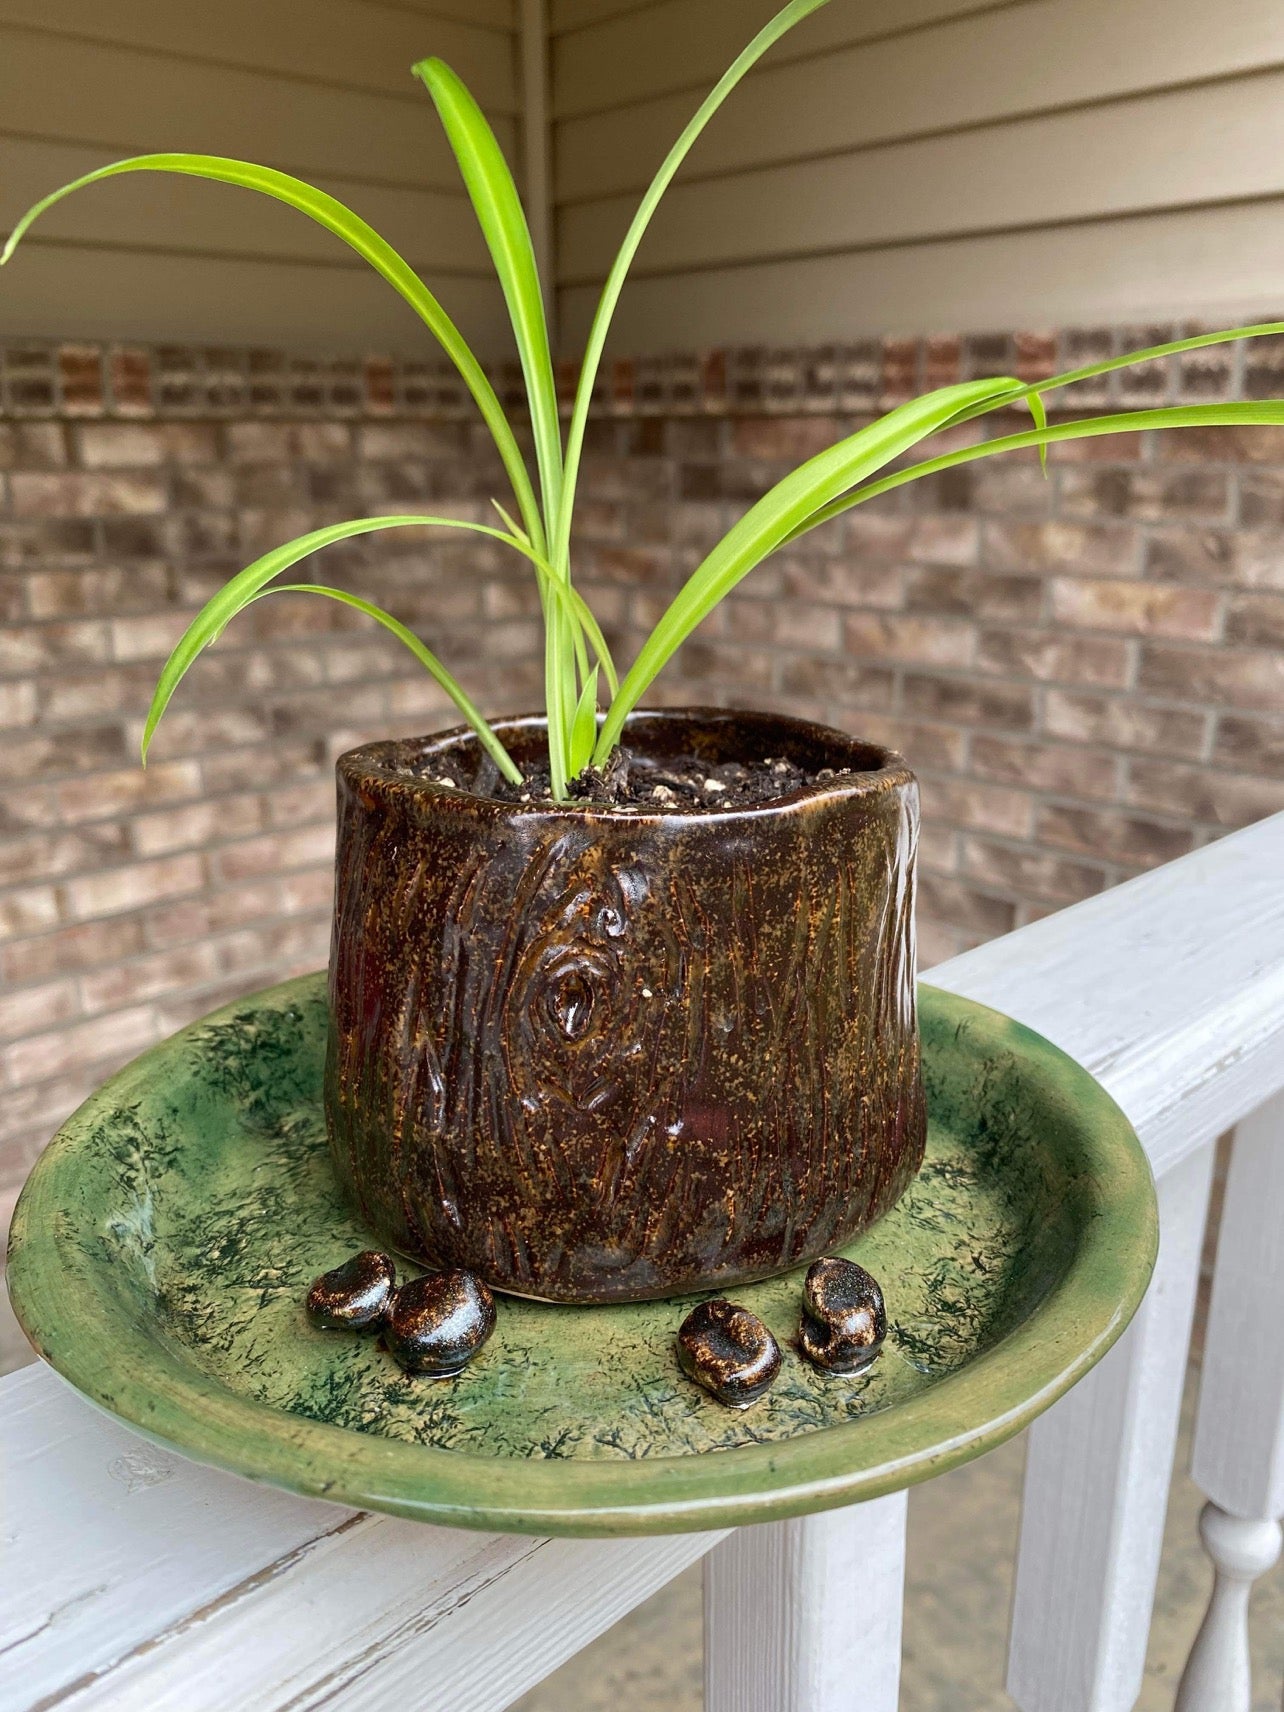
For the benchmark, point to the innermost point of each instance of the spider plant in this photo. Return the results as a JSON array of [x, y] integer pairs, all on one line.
[[577, 660]]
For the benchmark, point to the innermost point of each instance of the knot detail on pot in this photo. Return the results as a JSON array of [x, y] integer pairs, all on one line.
[[573, 991], [574, 1019]]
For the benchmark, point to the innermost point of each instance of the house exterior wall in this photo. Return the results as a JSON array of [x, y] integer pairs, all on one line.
[[896, 167], [322, 91], [1086, 671], [133, 482]]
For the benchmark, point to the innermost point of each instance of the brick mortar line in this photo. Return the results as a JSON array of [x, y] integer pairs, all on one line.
[[141, 916], [59, 881], [104, 1064], [987, 680], [135, 861], [114, 719], [1042, 797]]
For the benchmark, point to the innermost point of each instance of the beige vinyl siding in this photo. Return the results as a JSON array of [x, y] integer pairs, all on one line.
[[330, 99], [1227, 261], [896, 169], [637, 52]]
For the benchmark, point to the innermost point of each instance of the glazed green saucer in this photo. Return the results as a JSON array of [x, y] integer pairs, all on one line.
[[164, 1243]]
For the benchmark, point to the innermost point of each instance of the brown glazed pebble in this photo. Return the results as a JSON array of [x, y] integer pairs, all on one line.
[[438, 1323], [729, 1351], [355, 1296], [844, 1321]]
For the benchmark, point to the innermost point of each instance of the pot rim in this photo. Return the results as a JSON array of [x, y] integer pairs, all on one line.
[[375, 767]]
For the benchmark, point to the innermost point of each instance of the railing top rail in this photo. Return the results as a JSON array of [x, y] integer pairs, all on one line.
[[1170, 989], [139, 1578]]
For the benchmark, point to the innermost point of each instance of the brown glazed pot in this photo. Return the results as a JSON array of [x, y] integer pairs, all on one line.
[[597, 1056]]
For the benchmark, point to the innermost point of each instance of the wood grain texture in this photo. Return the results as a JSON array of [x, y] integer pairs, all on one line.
[[684, 44], [1203, 982], [1050, 161], [1177, 980], [135, 1578], [1239, 1436], [601, 1057], [1187, 1033], [1096, 1490], [995, 67], [1111, 272], [333, 103], [193, 1204], [1215, 143], [344, 43], [805, 1615], [118, 1541], [82, 291]]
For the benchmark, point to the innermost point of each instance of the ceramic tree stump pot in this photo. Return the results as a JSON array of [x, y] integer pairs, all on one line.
[[596, 1055]]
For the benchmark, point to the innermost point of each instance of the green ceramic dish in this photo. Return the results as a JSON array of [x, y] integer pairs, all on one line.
[[163, 1245]]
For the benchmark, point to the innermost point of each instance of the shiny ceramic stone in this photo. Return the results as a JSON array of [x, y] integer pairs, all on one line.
[[438, 1323], [728, 1351], [844, 1321], [353, 1297]]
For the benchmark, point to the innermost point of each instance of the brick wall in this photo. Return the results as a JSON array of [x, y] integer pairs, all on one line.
[[1087, 671], [131, 485]]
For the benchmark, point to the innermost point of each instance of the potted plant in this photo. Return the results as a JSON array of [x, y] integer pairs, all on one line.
[[622, 1001]]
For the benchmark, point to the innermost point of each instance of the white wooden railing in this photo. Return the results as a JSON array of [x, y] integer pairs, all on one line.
[[131, 1578]]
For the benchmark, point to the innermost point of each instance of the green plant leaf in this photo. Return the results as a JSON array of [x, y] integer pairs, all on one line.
[[559, 701], [596, 639], [778, 515], [514, 529], [1265, 412], [1040, 414], [771, 33], [240, 590], [1028, 391], [499, 213], [580, 611], [426, 658], [1173, 347], [584, 726], [354, 231], [582, 623]]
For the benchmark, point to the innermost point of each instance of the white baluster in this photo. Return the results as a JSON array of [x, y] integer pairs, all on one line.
[[805, 1615], [1238, 1459], [1217, 1677], [1096, 1489]]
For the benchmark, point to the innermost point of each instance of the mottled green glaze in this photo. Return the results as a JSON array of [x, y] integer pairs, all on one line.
[[163, 1247]]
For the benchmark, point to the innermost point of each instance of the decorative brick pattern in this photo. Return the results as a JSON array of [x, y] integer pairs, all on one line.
[[1087, 671]]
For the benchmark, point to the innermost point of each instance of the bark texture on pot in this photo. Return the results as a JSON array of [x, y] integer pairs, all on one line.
[[598, 1056]]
